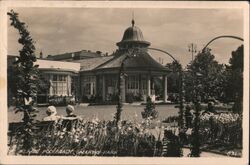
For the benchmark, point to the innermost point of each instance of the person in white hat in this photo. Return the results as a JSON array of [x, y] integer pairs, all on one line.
[[51, 112]]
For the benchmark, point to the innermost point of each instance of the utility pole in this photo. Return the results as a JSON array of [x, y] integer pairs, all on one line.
[[193, 49]]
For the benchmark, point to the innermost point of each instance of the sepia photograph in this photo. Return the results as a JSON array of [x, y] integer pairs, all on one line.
[[135, 81]]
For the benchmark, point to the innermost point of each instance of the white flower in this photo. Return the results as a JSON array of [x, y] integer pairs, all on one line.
[[136, 114], [189, 131], [177, 132]]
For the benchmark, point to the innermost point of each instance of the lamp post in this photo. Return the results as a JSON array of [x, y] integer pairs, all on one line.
[[224, 36], [195, 142], [192, 49]]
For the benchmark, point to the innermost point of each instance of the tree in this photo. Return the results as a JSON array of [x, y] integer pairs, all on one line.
[[234, 83], [174, 78], [43, 87], [26, 78], [207, 73]]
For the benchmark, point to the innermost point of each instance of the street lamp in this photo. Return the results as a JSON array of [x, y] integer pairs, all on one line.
[[195, 142], [224, 36], [192, 48]]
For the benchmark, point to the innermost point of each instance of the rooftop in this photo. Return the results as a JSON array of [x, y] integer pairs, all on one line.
[[92, 63], [133, 35], [83, 54], [142, 61], [47, 64]]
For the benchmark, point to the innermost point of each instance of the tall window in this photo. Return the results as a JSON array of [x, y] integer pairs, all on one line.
[[88, 83], [133, 82], [111, 80], [60, 85]]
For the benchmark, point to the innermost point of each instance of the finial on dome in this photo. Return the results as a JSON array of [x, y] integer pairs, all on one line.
[[133, 21]]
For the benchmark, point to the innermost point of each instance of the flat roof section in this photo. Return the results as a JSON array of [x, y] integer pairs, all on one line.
[[47, 64]]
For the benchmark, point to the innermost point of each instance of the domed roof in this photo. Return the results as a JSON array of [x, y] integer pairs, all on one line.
[[133, 34], [141, 62]]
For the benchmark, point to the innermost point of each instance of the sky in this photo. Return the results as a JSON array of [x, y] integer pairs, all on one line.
[[61, 30]]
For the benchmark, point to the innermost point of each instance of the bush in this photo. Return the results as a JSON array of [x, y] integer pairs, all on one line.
[[149, 110], [130, 98], [138, 97], [171, 119], [85, 99], [173, 97], [171, 145], [61, 100], [223, 129]]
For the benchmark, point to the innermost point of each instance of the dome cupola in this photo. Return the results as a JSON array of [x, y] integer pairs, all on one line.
[[132, 37]]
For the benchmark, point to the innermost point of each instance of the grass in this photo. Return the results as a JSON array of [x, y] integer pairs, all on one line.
[[103, 112]]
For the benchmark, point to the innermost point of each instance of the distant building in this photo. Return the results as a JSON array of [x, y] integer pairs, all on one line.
[[83, 54], [94, 75]]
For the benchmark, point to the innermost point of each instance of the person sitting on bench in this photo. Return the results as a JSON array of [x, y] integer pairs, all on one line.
[[69, 110], [51, 112]]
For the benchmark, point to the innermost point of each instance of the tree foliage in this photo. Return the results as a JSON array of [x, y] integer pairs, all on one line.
[[26, 78], [234, 79], [174, 78], [205, 75]]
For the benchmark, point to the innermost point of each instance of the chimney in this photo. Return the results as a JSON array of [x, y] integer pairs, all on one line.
[[41, 54]]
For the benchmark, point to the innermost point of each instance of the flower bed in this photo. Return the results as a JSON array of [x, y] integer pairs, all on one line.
[[224, 129], [91, 138]]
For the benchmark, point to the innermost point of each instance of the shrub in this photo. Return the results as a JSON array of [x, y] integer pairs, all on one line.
[[61, 100], [171, 145], [223, 129], [138, 97], [85, 99], [171, 119], [149, 110], [130, 98]]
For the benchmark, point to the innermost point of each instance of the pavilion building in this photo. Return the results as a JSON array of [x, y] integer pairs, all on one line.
[[139, 71]]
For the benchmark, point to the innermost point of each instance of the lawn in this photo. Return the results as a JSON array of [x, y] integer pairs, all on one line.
[[103, 112]]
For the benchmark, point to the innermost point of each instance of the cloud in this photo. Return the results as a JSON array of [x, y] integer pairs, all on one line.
[[60, 30]]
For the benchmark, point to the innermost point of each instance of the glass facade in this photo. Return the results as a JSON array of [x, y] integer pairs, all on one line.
[[88, 85], [59, 85]]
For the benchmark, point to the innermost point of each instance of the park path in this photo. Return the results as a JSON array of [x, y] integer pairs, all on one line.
[[186, 151]]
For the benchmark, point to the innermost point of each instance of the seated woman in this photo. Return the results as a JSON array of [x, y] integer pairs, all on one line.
[[51, 112], [70, 121], [69, 110]]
